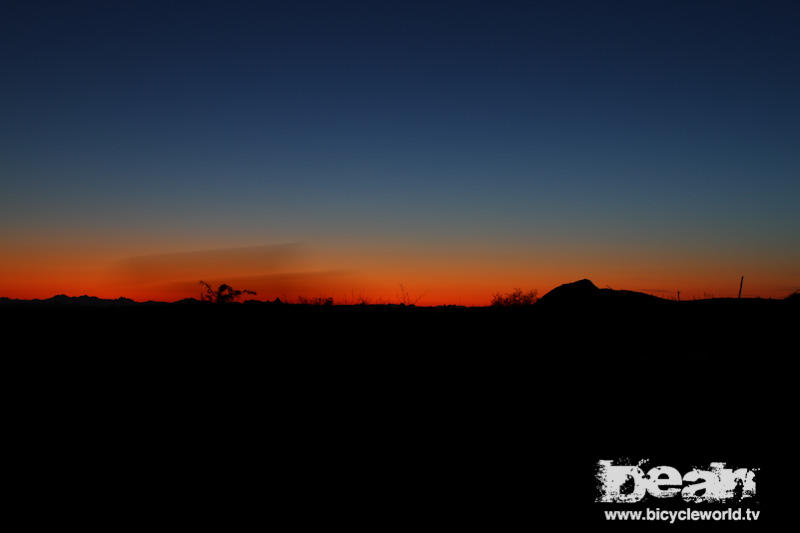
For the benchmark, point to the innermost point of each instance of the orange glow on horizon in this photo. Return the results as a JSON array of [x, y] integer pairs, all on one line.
[[455, 276]]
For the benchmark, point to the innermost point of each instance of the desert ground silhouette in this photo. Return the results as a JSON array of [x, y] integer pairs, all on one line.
[[367, 411], [518, 323]]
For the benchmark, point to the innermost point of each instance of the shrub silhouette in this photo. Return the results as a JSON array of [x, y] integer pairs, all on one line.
[[223, 294], [515, 298], [319, 300]]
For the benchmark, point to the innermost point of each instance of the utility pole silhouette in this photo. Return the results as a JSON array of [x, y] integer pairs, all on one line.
[[741, 282]]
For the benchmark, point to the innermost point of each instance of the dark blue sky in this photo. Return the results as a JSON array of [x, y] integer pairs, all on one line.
[[542, 125]]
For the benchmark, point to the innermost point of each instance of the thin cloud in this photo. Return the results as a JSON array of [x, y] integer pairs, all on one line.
[[209, 264]]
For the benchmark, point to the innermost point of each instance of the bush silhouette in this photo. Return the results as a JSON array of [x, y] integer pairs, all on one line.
[[319, 300], [515, 298], [223, 294]]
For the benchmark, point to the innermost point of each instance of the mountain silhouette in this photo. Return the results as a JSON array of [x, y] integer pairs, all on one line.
[[89, 301]]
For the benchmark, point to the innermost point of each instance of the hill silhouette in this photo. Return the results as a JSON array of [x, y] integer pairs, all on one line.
[[585, 293]]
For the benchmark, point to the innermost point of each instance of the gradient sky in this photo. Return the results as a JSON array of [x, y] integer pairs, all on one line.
[[457, 148]]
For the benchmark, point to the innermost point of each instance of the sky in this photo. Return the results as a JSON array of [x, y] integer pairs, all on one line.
[[435, 151]]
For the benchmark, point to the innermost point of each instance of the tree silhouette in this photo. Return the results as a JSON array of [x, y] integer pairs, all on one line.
[[223, 294]]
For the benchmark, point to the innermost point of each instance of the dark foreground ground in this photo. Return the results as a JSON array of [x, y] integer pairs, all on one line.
[[370, 417]]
